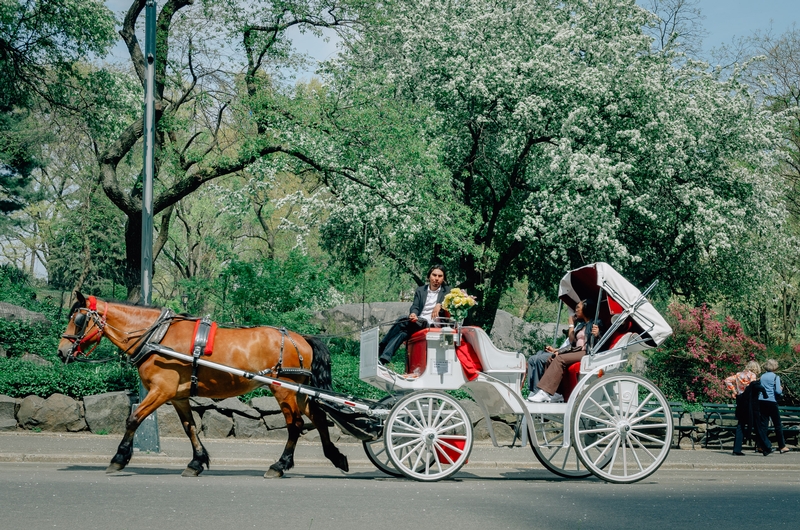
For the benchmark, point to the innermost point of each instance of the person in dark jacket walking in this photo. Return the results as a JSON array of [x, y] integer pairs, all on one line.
[[424, 309], [745, 387]]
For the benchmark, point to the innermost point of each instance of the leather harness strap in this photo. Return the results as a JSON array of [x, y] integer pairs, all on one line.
[[204, 331], [278, 369], [154, 335]]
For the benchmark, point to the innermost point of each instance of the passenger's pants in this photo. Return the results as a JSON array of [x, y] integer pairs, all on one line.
[[556, 367], [397, 335], [536, 365]]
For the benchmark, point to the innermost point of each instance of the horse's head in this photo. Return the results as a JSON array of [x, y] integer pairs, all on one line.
[[84, 329]]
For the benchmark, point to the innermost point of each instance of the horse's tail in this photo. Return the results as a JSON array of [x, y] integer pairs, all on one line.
[[320, 365]]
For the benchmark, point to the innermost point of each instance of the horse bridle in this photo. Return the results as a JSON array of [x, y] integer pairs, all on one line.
[[81, 318]]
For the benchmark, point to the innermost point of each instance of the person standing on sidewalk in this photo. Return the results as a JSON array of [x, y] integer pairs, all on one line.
[[744, 386], [769, 406]]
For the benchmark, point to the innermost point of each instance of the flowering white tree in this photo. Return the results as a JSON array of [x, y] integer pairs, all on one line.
[[519, 139]]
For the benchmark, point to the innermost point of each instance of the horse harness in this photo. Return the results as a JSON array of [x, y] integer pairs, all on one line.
[[80, 321], [203, 344]]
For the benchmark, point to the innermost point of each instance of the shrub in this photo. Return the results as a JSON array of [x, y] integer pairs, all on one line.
[[692, 365], [20, 378]]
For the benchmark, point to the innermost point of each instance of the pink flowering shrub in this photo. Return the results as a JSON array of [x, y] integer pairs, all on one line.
[[693, 364]]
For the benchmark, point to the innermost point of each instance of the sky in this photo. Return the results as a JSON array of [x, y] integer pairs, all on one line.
[[724, 20]]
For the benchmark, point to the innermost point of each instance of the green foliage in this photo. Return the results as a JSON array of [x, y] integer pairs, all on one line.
[[692, 365], [86, 244], [345, 367], [22, 378], [39, 45], [18, 337], [276, 292]]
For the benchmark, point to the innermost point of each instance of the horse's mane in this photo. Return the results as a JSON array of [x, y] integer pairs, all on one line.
[[77, 305]]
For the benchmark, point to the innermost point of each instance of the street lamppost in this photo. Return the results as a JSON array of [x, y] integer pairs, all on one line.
[[147, 438]]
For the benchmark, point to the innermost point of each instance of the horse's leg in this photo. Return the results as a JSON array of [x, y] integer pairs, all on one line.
[[294, 424], [199, 454], [320, 421], [151, 402]]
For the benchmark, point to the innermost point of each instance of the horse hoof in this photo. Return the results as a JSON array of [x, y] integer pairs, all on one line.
[[343, 465], [189, 472], [114, 468], [273, 473]]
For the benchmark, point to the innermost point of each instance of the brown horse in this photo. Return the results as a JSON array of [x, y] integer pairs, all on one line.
[[280, 354]]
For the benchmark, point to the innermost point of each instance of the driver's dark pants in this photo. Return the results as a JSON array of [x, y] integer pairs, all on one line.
[[396, 336]]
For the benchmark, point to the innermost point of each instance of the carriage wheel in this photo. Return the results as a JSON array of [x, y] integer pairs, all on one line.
[[428, 436], [376, 453], [548, 446], [622, 428]]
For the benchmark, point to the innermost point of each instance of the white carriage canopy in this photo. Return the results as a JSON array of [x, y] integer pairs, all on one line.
[[618, 296]]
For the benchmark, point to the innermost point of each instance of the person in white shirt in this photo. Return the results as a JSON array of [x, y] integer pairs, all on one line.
[[424, 309]]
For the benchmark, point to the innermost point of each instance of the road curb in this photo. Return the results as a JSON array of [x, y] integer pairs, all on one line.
[[253, 463]]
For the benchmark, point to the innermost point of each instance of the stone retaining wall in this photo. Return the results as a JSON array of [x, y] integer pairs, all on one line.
[[262, 418]]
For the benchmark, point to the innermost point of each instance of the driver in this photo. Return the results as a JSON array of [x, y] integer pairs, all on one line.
[[424, 309]]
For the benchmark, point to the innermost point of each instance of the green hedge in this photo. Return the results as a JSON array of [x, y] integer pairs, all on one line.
[[20, 378]]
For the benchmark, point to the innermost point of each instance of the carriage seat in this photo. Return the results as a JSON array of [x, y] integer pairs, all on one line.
[[492, 358], [619, 339]]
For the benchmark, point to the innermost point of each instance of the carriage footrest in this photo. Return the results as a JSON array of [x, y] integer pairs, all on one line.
[[357, 424]]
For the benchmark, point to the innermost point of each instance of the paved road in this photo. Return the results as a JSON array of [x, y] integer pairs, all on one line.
[[81, 496]]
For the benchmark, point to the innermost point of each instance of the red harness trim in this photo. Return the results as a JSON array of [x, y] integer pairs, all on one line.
[[212, 333], [98, 330]]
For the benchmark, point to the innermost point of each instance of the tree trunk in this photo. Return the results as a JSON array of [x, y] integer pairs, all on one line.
[[133, 257]]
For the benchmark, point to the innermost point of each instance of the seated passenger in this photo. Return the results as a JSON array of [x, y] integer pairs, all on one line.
[[424, 309], [562, 359]]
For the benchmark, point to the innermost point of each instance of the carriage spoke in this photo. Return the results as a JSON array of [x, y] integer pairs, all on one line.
[[451, 427], [597, 420], [637, 442], [604, 452], [420, 444], [602, 440], [409, 427]]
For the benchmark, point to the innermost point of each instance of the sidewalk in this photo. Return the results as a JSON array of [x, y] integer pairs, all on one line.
[[78, 448]]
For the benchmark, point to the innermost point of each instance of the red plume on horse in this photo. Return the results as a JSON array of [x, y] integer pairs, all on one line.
[[277, 352]]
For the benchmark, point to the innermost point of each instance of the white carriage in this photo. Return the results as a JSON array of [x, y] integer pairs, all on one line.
[[614, 424]]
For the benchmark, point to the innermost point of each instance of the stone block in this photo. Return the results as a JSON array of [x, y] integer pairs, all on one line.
[[233, 405], [36, 359], [28, 408], [216, 424], [169, 423], [107, 413], [60, 413], [202, 403], [474, 410], [275, 421], [8, 409], [266, 405], [503, 432], [244, 427]]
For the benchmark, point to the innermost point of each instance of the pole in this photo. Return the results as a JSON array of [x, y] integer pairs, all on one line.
[[146, 438], [149, 147]]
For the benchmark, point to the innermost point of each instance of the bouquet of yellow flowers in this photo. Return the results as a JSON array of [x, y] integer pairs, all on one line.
[[458, 303]]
